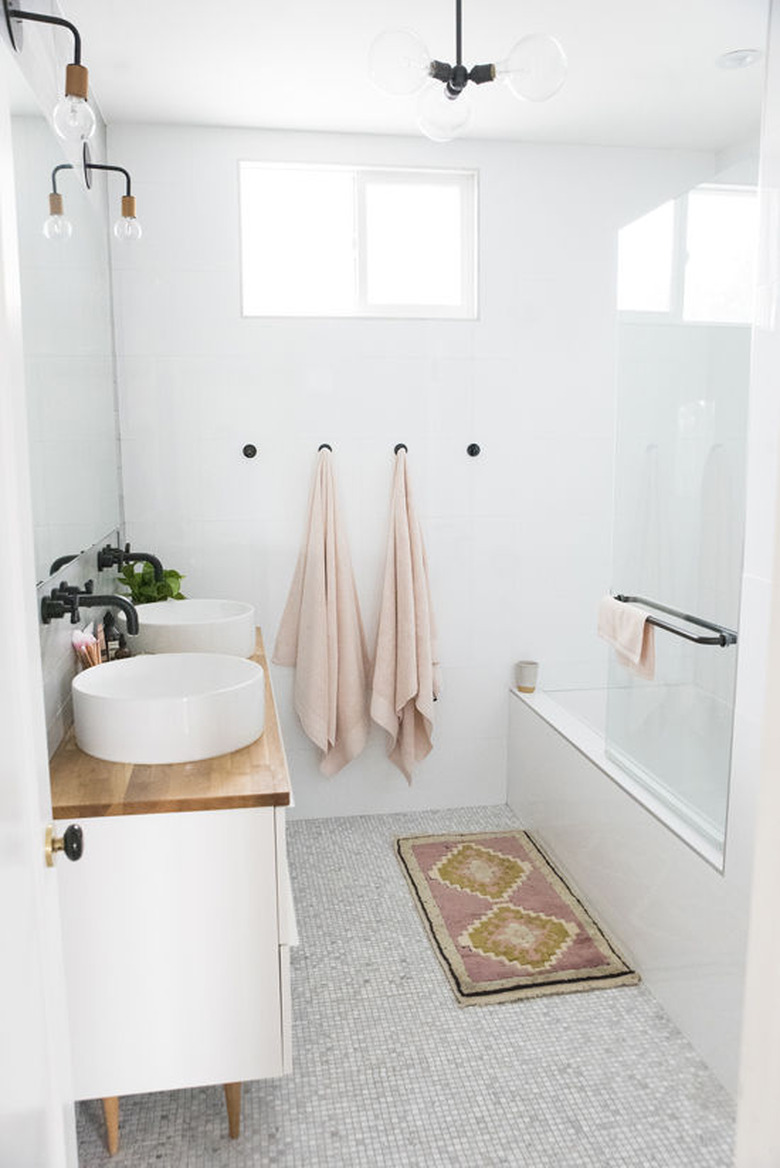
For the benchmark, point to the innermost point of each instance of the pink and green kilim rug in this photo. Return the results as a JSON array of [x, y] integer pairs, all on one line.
[[502, 922]]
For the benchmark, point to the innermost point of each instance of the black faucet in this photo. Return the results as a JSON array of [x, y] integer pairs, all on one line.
[[89, 600], [66, 598], [110, 557], [61, 561]]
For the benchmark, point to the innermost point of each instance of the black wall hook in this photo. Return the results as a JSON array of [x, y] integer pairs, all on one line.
[[473, 450], [325, 446], [250, 450], [401, 446]]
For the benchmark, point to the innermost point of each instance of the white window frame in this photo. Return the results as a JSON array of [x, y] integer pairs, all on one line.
[[674, 314], [467, 182]]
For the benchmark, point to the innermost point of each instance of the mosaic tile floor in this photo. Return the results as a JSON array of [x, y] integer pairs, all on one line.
[[391, 1073]]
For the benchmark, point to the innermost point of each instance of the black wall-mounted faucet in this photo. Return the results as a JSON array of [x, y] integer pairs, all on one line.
[[61, 561], [109, 557], [67, 599], [88, 600]]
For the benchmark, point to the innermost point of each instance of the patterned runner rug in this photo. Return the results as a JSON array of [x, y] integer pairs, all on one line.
[[503, 923]]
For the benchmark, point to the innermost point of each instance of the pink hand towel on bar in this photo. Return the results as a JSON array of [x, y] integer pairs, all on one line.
[[406, 680], [321, 633], [626, 628]]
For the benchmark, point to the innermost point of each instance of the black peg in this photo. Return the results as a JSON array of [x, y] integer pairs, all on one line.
[[473, 450], [325, 446], [401, 446], [249, 451]]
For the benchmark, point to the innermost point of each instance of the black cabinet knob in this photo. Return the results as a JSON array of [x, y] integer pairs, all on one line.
[[73, 842]]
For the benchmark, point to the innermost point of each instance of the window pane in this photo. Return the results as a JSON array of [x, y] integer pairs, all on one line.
[[645, 249], [413, 243], [297, 239], [721, 247]]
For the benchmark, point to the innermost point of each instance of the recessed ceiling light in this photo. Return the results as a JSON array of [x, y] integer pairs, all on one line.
[[738, 58]]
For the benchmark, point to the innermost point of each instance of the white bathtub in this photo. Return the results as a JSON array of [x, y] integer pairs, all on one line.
[[692, 802], [654, 881]]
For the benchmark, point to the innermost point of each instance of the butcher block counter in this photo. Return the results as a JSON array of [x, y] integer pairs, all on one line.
[[255, 776]]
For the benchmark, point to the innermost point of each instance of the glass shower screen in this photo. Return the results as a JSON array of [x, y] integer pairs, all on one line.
[[684, 311]]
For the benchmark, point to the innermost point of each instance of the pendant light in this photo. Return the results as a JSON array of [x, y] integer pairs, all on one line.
[[57, 227], [73, 118], [400, 64]]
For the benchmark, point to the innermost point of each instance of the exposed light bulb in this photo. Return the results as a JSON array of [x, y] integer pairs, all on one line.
[[127, 229], [535, 69], [440, 117], [73, 118], [399, 62], [57, 227]]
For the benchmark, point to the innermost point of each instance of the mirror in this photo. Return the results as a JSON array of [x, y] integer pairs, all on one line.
[[67, 327]]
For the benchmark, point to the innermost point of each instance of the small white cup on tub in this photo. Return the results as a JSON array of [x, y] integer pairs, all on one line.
[[526, 675]]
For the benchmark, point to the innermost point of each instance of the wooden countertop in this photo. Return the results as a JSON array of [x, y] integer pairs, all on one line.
[[257, 776]]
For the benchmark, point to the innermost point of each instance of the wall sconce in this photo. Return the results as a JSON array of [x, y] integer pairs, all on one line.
[[57, 227], [126, 228], [73, 118]]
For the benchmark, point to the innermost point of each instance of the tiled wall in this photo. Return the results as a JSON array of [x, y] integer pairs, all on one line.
[[518, 538]]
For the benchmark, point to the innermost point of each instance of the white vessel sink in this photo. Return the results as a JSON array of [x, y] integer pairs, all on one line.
[[174, 707], [196, 626]]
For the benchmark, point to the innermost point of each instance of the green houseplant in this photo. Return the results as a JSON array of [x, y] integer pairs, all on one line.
[[144, 589]]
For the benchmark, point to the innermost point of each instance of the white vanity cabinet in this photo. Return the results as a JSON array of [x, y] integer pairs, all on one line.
[[176, 929], [177, 920]]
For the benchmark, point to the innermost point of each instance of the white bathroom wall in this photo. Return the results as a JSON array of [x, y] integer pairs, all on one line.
[[518, 538]]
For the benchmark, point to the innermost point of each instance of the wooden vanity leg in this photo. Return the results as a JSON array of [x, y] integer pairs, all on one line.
[[233, 1101], [111, 1113]]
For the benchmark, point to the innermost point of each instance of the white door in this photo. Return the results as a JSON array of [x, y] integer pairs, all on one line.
[[36, 1103]]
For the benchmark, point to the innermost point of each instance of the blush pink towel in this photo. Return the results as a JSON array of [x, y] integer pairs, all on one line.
[[406, 680], [625, 627], [321, 633]]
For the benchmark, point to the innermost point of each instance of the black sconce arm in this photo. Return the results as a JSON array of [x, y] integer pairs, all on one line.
[[116, 169], [41, 18], [62, 166]]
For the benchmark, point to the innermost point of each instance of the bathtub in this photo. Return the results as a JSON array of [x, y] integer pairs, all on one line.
[[695, 807], [655, 880]]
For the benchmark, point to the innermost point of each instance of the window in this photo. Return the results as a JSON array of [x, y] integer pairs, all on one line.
[[347, 241], [693, 258]]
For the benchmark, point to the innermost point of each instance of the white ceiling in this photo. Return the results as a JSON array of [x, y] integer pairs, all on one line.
[[640, 73]]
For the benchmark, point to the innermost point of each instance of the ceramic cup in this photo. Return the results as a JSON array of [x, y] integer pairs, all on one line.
[[526, 673]]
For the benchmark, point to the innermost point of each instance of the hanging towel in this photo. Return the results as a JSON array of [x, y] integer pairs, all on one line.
[[406, 674], [321, 633], [625, 627]]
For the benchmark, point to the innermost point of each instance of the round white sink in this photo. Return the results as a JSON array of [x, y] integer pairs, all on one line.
[[174, 707], [196, 626]]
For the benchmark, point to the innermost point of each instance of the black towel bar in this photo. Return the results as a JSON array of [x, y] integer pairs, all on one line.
[[723, 635]]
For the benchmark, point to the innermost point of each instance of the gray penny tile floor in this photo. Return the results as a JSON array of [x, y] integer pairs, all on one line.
[[390, 1071]]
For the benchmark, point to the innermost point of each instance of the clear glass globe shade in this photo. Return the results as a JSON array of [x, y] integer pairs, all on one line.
[[127, 230], [398, 62], [535, 68], [73, 119], [442, 118], [57, 227]]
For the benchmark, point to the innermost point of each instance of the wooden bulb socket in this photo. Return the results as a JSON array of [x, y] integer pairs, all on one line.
[[128, 207], [77, 81], [55, 204]]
